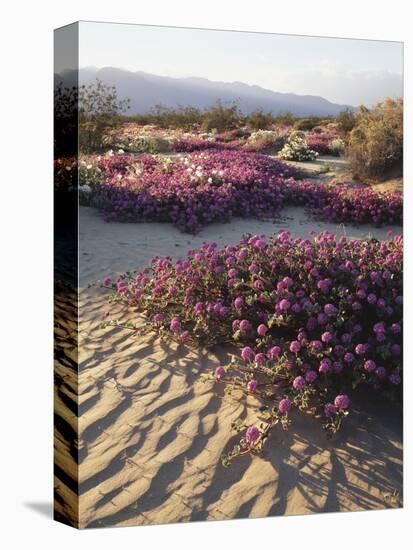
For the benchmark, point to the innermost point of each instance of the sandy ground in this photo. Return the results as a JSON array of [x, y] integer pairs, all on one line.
[[112, 248], [151, 434]]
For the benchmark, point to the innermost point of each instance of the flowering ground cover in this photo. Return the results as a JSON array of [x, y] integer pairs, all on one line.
[[194, 190], [311, 320], [151, 139]]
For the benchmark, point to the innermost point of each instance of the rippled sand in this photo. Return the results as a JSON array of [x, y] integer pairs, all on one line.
[[151, 434]]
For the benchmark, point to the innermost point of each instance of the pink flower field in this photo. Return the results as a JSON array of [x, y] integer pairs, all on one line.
[[197, 189], [309, 320]]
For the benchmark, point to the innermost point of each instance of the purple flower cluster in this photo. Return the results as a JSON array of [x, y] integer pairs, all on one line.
[[320, 141], [200, 188], [186, 145], [299, 328], [346, 203], [194, 190]]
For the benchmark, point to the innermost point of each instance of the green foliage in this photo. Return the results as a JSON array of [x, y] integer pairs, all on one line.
[[307, 123], [221, 118], [166, 117], [285, 119], [258, 120], [98, 110], [347, 119], [376, 141], [267, 140], [337, 147]]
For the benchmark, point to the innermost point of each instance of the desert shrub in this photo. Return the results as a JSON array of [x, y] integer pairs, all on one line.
[[319, 142], [346, 120], [375, 143], [337, 147], [231, 135], [258, 120], [296, 148], [310, 321], [263, 140], [221, 118], [303, 124], [98, 109], [179, 117], [284, 119]]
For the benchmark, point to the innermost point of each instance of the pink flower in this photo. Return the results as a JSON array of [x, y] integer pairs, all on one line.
[[252, 386], [310, 376], [360, 349], [185, 336], [381, 373], [369, 365], [247, 354], [252, 434], [107, 281], [219, 372], [175, 324], [245, 326], [238, 302], [395, 379], [284, 305], [316, 345], [262, 330], [330, 309], [260, 358], [274, 352], [342, 401], [395, 328], [325, 365], [330, 409], [284, 406], [299, 383], [295, 346], [158, 318]]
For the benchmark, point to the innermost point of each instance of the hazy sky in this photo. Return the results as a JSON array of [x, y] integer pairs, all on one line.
[[341, 70]]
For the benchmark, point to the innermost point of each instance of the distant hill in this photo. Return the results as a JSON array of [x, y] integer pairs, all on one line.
[[147, 90]]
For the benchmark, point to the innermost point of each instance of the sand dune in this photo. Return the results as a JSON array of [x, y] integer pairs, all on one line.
[[151, 433]]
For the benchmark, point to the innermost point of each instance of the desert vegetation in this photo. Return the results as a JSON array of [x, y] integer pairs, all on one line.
[[306, 324], [312, 319]]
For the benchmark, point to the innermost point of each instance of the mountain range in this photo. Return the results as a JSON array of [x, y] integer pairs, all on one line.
[[146, 90]]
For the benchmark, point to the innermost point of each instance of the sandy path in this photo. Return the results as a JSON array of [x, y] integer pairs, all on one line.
[[151, 434]]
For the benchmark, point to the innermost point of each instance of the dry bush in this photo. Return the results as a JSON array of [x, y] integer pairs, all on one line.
[[376, 142]]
